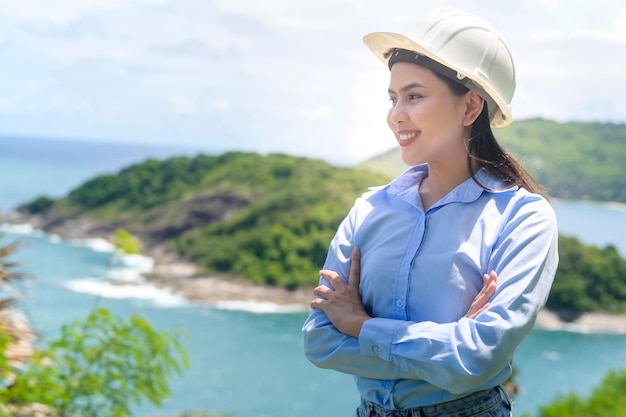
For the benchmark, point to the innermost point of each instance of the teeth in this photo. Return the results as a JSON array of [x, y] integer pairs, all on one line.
[[405, 136]]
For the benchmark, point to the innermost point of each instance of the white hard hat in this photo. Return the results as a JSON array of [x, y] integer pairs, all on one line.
[[464, 43]]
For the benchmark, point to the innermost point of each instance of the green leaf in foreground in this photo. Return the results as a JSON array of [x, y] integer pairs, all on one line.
[[100, 368], [606, 400]]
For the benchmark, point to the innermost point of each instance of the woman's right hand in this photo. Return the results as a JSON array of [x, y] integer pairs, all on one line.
[[480, 302]]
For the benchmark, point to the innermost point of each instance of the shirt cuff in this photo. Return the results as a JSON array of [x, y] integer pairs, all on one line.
[[376, 337]]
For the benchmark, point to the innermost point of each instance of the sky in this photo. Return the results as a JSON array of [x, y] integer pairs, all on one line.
[[289, 76]]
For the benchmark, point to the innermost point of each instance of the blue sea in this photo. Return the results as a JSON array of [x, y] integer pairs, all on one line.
[[246, 360]]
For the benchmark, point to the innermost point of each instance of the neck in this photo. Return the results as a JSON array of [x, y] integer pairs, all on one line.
[[441, 181]]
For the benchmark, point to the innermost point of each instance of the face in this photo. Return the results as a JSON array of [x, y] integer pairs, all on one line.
[[428, 120]]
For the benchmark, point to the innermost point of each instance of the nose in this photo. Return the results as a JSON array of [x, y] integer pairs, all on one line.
[[397, 114]]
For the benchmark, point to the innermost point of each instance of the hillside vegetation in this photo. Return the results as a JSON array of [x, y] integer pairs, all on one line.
[[575, 160], [269, 219]]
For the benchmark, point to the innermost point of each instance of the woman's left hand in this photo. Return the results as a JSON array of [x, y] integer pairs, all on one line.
[[343, 305], [481, 301]]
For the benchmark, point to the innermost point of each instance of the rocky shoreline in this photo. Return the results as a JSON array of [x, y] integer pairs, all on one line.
[[213, 289], [185, 279]]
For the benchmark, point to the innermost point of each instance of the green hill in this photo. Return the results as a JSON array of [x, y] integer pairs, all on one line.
[[575, 160], [269, 219], [265, 218]]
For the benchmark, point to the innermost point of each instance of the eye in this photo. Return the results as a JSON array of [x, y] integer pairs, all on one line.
[[393, 100], [415, 96]]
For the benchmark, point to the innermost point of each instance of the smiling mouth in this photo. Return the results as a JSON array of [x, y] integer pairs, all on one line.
[[407, 136]]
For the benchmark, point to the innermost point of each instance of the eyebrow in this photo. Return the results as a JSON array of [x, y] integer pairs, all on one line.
[[407, 87]]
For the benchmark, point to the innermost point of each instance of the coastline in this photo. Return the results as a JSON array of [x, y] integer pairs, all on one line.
[[215, 289], [169, 273], [184, 279]]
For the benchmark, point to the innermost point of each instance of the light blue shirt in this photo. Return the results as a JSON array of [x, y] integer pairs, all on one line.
[[420, 271]]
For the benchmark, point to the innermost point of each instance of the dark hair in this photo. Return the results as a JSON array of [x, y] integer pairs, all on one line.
[[484, 151]]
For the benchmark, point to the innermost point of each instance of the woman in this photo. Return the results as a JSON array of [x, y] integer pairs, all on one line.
[[408, 315]]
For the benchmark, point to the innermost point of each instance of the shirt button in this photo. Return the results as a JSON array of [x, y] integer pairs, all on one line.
[[399, 303], [375, 349]]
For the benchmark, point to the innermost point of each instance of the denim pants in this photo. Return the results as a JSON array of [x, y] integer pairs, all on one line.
[[493, 402]]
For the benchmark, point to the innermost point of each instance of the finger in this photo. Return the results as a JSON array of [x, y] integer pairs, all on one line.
[[480, 310], [354, 278], [481, 299], [317, 303], [488, 290], [322, 291], [332, 277]]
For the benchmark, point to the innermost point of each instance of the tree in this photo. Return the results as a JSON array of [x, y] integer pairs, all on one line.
[[126, 242], [99, 367], [606, 400]]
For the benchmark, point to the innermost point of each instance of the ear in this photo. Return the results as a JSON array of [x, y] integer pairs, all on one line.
[[473, 107]]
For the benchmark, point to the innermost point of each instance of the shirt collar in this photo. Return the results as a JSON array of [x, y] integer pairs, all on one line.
[[466, 192]]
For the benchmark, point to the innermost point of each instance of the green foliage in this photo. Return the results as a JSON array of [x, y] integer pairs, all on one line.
[[38, 205], [576, 160], [606, 400], [588, 279], [286, 210], [5, 367], [126, 242], [153, 182], [282, 238], [270, 218], [581, 161], [99, 368]]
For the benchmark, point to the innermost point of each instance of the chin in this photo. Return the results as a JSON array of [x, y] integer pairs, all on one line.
[[411, 160]]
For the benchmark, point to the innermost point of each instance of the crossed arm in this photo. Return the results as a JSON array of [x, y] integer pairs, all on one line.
[[344, 307]]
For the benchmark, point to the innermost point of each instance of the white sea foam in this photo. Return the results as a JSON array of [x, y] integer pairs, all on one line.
[[260, 307], [124, 276], [616, 206], [160, 297], [137, 262], [96, 244], [129, 268], [54, 238], [21, 229], [551, 355]]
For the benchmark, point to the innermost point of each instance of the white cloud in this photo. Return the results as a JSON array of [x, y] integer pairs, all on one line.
[[182, 103], [155, 2], [283, 64], [367, 133], [6, 104], [31, 84], [220, 105], [620, 25], [318, 113], [59, 11], [552, 4]]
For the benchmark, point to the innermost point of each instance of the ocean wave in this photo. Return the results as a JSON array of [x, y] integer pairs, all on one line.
[[616, 206], [54, 238], [137, 262], [97, 244], [260, 307], [21, 229], [160, 297]]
